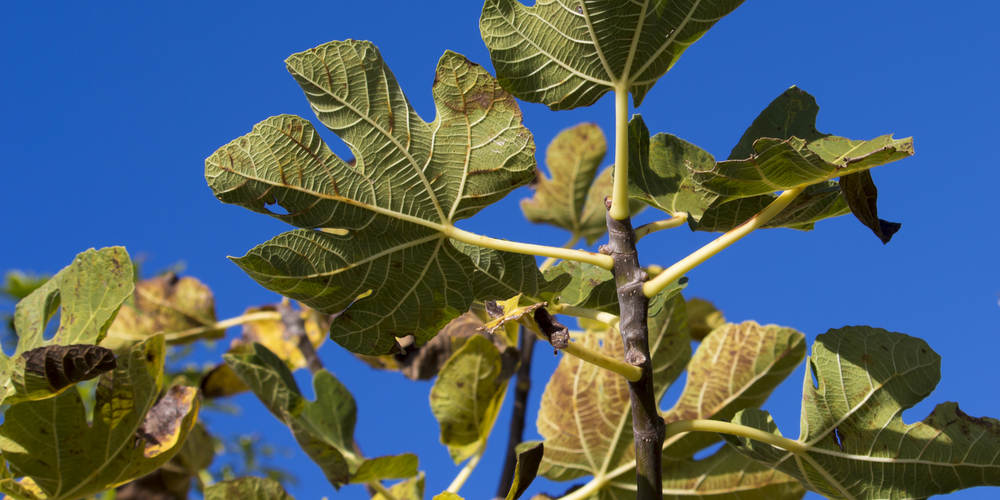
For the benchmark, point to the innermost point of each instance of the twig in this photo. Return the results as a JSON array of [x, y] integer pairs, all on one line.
[[660, 225], [521, 390]]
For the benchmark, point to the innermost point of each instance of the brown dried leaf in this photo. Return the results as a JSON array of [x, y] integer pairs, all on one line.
[[52, 368]]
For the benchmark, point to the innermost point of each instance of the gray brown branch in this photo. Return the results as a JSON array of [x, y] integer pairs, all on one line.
[[522, 388]]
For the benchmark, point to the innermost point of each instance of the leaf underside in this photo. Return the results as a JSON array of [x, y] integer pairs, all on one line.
[[857, 446], [411, 181], [247, 488], [567, 54]]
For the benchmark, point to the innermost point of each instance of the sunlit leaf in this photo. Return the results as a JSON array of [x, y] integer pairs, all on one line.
[[411, 489], [726, 475], [165, 304], [703, 317], [247, 488], [132, 433], [324, 428], [412, 180], [507, 311], [856, 444], [173, 480], [585, 415], [568, 54], [87, 294], [591, 287], [447, 495], [735, 367], [467, 396], [817, 202]]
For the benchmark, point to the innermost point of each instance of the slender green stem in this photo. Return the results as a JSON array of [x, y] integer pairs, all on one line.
[[630, 372], [201, 330], [652, 227], [588, 490], [736, 430], [382, 490], [582, 312], [463, 475], [619, 192], [549, 262], [602, 261], [655, 285]]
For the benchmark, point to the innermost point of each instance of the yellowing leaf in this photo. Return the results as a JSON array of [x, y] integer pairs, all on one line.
[[854, 444], [467, 396], [412, 180], [165, 304], [703, 317], [87, 293], [411, 489], [272, 334], [735, 367], [132, 434], [507, 311], [247, 488]]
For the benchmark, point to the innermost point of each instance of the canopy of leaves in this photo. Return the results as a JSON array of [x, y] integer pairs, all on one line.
[[585, 415], [856, 445], [165, 304], [324, 428], [394, 207], [87, 293], [50, 443], [568, 54], [573, 198]]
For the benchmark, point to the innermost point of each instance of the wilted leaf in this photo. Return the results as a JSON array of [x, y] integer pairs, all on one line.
[[45, 371], [89, 292], [165, 304], [507, 311], [856, 445], [585, 415], [411, 182], [247, 488], [568, 54], [703, 317], [467, 396], [660, 171], [132, 434], [735, 367], [726, 475], [862, 196], [525, 470], [324, 428]]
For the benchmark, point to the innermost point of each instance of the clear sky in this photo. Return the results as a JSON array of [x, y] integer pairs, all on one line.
[[108, 110]]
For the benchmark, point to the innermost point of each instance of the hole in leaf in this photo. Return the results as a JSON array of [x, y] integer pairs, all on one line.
[[711, 450], [276, 209], [52, 326], [52, 310], [838, 438], [812, 373]]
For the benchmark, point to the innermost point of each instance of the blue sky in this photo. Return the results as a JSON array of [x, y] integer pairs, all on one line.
[[107, 112]]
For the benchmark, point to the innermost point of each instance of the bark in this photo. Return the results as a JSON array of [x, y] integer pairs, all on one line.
[[521, 389], [647, 426]]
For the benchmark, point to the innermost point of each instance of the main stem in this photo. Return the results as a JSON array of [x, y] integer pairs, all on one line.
[[647, 426]]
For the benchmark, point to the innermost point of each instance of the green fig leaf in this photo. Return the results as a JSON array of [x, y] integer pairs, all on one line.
[[591, 287], [467, 396], [735, 367], [568, 54], [89, 293], [50, 442], [324, 428], [660, 171], [411, 489], [390, 215], [854, 444], [703, 317], [586, 416], [726, 475], [247, 488]]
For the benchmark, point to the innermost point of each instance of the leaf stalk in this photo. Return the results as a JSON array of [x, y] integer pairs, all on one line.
[[201, 330], [672, 273], [717, 426], [619, 192], [602, 261], [660, 225], [463, 475]]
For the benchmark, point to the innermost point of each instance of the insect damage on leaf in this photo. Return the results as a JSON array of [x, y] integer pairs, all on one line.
[[161, 429]]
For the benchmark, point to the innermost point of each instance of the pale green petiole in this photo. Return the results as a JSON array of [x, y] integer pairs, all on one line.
[[463, 475], [660, 225], [630, 372], [672, 273], [599, 260], [619, 193], [683, 426]]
